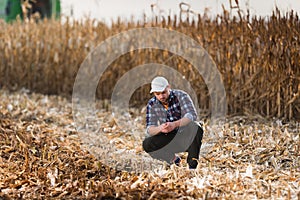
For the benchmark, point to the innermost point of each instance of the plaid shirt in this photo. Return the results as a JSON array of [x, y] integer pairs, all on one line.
[[180, 105]]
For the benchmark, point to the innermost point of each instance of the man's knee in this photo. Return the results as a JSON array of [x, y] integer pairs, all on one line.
[[146, 145], [196, 127]]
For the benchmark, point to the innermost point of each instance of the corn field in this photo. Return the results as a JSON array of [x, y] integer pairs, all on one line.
[[258, 58], [255, 154]]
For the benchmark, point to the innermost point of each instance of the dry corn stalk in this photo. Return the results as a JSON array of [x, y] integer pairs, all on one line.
[[258, 59]]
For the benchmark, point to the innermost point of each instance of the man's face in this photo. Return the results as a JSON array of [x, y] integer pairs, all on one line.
[[163, 96]]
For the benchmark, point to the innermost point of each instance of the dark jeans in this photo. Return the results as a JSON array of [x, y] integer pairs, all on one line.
[[186, 139]]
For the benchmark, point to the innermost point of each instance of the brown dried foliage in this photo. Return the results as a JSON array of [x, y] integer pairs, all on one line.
[[41, 157], [258, 58]]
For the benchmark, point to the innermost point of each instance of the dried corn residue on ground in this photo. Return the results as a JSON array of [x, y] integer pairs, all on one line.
[[42, 158]]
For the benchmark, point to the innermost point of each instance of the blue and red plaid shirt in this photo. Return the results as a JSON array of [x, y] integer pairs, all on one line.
[[180, 105]]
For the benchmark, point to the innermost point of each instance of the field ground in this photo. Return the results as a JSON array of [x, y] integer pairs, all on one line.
[[43, 156]]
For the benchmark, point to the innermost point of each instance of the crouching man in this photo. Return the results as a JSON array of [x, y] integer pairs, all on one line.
[[171, 126]]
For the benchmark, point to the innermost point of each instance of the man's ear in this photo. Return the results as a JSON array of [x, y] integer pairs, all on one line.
[[169, 86]]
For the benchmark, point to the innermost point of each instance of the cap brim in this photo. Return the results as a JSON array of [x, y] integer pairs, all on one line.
[[156, 90]]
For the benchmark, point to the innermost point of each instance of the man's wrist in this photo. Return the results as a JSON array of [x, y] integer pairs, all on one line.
[[177, 123]]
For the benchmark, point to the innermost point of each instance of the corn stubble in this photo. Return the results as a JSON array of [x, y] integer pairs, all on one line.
[[43, 156]]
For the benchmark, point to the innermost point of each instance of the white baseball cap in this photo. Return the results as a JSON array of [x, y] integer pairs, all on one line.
[[159, 84]]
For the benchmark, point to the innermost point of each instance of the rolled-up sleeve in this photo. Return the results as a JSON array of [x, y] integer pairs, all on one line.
[[188, 108], [189, 116], [147, 134]]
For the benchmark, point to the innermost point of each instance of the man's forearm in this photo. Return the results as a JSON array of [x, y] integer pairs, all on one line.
[[182, 122], [154, 130]]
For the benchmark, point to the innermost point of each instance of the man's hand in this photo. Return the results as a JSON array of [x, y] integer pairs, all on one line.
[[168, 127]]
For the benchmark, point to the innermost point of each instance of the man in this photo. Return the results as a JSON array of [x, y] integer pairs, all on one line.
[[171, 126]]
